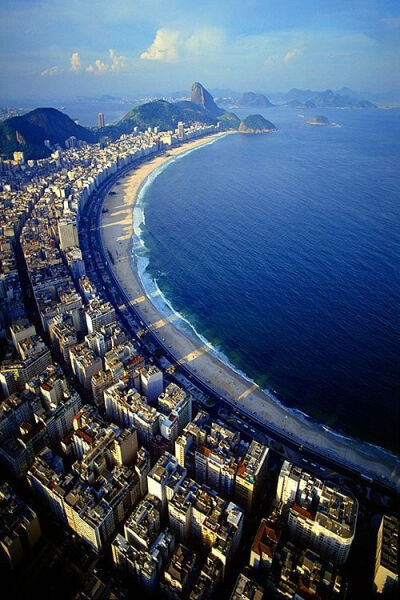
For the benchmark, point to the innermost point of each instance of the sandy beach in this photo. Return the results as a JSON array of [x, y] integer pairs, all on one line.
[[117, 231]]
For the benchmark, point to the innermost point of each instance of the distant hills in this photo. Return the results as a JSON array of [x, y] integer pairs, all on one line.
[[201, 108], [163, 114], [253, 99], [327, 98], [28, 132]]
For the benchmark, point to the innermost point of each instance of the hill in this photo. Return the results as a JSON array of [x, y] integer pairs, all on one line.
[[165, 115], [253, 99], [256, 124], [325, 99], [298, 104], [28, 132]]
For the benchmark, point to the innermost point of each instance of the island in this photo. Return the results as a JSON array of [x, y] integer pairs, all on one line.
[[319, 120], [256, 124]]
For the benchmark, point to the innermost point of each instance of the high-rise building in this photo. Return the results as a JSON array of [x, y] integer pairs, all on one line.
[[68, 233], [19, 526], [250, 476], [98, 314], [321, 517], [216, 460], [264, 546], [100, 120], [165, 478], [197, 512], [152, 383], [178, 576], [386, 557], [246, 589], [181, 131], [19, 158]]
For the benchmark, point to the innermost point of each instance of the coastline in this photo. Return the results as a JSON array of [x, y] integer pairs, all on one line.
[[119, 234]]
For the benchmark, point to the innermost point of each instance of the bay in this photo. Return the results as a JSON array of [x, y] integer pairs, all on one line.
[[283, 251]]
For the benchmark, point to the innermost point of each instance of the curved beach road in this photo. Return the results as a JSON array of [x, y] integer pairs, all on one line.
[[115, 235]]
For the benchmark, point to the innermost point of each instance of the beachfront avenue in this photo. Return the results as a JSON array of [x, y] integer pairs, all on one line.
[[120, 423], [195, 360]]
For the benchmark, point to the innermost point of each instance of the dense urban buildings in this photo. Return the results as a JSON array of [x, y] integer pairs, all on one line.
[[157, 487]]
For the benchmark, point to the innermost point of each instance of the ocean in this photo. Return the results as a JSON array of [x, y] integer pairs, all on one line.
[[283, 252]]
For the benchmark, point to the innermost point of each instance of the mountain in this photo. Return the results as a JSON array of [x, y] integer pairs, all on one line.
[[325, 99], [164, 115], [299, 95], [297, 104], [199, 95], [256, 124], [253, 99], [28, 132]]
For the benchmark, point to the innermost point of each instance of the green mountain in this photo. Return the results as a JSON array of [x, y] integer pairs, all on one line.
[[256, 124], [28, 132], [166, 115]]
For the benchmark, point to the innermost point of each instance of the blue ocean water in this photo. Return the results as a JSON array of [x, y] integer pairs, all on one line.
[[283, 250]]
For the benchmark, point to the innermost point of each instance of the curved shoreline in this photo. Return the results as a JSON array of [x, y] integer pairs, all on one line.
[[118, 236]]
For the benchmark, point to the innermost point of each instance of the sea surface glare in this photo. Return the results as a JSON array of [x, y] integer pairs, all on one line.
[[283, 251]]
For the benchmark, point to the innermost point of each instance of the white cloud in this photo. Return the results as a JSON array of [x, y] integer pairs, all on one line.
[[291, 55], [117, 61], [170, 45], [204, 41], [100, 66], [50, 71], [164, 47], [75, 62]]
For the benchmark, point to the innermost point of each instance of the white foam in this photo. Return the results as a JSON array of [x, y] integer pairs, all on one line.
[[165, 307]]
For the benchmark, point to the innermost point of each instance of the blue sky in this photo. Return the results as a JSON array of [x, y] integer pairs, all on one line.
[[58, 48]]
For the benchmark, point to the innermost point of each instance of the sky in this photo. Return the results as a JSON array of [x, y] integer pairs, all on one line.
[[64, 48]]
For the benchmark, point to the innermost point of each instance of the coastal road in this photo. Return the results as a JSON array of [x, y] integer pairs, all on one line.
[[98, 262]]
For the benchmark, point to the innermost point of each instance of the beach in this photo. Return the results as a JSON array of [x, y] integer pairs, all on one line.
[[118, 234]]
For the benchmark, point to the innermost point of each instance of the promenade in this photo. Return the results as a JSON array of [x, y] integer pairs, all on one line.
[[117, 233]]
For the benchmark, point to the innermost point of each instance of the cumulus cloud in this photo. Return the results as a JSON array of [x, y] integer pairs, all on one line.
[[75, 62], [50, 71], [164, 47], [170, 45], [100, 66], [291, 55], [117, 61]]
